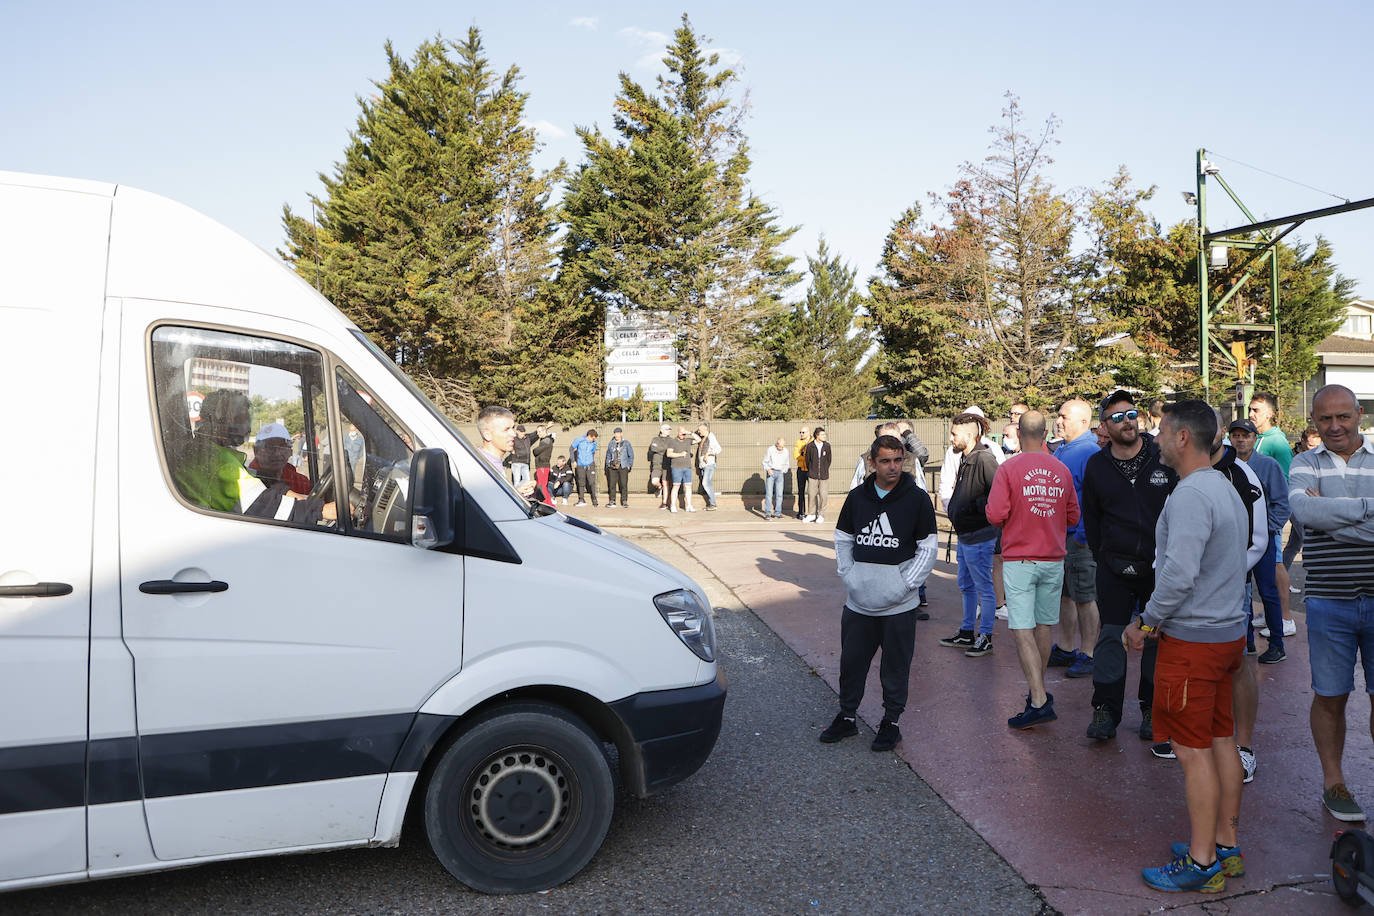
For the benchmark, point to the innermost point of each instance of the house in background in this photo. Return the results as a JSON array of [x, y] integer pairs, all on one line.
[[1347, 358]]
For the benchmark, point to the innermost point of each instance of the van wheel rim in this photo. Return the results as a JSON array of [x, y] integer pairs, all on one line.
[[519, 798]]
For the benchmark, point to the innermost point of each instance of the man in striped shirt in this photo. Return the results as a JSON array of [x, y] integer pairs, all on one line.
[[1332, 495]]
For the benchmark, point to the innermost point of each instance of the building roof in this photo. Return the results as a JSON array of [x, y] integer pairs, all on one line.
[[1338, 344]]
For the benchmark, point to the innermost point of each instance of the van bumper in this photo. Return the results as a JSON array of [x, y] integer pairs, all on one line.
[[669, 733]]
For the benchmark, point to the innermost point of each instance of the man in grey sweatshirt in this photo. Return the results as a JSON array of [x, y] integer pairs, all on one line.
[[1197, 614]]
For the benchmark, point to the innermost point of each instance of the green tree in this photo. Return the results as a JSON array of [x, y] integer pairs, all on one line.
[[660, 217], [822, 358], [434, 232]]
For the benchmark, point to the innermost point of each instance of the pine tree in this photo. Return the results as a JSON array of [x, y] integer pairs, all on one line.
[[661, 218], [434, 233]]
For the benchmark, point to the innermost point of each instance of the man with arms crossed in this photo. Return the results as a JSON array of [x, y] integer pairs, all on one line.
[[1332, 495], [1033, 502], [1196, 613], [885, 544]]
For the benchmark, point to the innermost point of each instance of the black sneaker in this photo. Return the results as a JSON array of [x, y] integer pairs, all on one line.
[[1272, 656], [1164, 750], [922, 615], [889, 735], [1059, 658], [1032, 716], [982, 645], [842, 727], [924, 602], [1147, 725], [961, 640], [1102, 726]]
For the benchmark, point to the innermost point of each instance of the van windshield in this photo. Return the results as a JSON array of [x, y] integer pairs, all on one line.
[[442, 418]]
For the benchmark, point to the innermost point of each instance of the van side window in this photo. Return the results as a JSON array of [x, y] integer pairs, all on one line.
[[240, 419], [377, 451]]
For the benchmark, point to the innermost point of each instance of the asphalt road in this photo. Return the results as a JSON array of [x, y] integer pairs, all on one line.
[[774, 823]]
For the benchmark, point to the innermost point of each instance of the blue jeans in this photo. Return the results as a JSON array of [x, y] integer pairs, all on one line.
[[707, 472], [1336, 629], [772, 493], [975, 582], [519, 473], [1264, 575]]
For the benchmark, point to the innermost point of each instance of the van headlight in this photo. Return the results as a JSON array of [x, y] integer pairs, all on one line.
[[690, 619]]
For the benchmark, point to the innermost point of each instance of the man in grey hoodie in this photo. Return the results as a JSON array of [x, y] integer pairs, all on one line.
[[1196, 612], [885, 545]]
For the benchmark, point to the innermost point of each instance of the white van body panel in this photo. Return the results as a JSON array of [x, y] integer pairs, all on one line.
[[157, 730], [52, 258]]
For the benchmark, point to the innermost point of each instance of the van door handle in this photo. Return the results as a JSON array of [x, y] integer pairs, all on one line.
[[170, 587], [37, 590]]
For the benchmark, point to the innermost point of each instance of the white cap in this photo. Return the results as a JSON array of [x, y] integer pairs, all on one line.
[[273, 431], [976, 411]]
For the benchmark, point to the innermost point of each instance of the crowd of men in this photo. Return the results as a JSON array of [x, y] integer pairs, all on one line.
[[1132, 530]]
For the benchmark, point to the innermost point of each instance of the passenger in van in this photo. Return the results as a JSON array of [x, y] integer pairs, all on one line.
[[211, 471], [271, 451]]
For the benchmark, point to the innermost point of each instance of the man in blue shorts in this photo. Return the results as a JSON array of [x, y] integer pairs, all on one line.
[[1332, 495]]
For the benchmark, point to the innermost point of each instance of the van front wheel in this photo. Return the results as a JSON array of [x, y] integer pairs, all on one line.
[[520, 801]]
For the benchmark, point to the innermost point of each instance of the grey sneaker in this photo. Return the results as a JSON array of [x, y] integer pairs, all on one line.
[[1342, 804], [1102, 726]]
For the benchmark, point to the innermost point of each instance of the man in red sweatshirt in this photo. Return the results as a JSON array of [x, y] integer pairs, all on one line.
[[1034, 503]]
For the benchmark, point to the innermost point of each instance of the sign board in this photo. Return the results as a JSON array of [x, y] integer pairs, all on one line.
[[639, 374], [654, 391], [640, 337], [644, 355]]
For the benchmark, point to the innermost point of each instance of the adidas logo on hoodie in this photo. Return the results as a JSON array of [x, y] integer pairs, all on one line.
[[878, 533]]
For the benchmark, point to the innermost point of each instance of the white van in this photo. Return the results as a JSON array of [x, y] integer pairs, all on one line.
[[202, 661]]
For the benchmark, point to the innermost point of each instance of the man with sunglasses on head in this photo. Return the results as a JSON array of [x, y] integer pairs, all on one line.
[[1124, 489]]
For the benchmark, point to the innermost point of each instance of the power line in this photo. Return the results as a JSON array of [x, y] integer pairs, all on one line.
[[1300, 184]]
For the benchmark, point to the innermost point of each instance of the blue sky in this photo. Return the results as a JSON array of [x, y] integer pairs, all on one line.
[[857, 110]]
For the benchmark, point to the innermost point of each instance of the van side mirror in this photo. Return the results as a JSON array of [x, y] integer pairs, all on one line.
[[431, 499]]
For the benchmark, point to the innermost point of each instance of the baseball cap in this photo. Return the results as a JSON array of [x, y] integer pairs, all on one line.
[[1242, 423], [273, 431], [617, 430], [666, 428]]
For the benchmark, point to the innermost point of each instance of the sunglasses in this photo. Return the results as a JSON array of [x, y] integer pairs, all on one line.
[[1121, 415]]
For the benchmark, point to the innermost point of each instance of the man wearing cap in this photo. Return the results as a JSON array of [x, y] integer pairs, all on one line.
[[658, 451], [271, 450], [1244, 435], [620, 458], [583, 452]]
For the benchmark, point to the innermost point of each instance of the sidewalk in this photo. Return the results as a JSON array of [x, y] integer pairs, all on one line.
[[1077, 818]]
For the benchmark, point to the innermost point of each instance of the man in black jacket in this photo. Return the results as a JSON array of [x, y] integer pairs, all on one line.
[[885, 544], [818, 455], [967, 511], [1124, 489]]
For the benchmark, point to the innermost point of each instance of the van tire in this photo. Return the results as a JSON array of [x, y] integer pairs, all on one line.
[[520, 801]]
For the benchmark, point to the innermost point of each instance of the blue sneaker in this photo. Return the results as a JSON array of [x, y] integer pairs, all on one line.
[[1232, 862], [1082, 666], [1183, 874], [1031, 716]]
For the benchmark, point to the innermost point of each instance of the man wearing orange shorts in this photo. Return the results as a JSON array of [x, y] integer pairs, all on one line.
[[1197, 613]]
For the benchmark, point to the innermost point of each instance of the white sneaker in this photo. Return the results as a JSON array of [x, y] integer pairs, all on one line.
[[1294, 590], [580, 503], [1001, 613], [1247, 763], [1290, 628], [691, 508], [808, 518], [672, 508], [820, 519]]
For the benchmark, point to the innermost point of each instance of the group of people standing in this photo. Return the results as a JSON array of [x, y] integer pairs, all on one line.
[[1142, 531]]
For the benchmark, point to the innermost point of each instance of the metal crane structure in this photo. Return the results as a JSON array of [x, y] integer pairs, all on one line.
[[1262, 250]]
